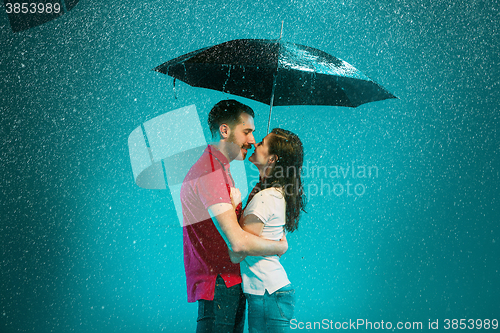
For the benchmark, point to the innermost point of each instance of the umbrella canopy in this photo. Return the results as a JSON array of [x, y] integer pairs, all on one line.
[[275, 73]]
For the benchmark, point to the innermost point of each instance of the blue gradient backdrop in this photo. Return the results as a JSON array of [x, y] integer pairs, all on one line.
[[83, 249]]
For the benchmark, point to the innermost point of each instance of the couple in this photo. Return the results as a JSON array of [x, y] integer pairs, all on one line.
[[213, 222]]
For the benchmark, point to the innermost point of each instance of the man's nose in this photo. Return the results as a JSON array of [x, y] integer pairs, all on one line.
[[251, 139]]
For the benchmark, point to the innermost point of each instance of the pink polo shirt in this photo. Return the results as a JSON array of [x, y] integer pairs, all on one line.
[[208, 182]]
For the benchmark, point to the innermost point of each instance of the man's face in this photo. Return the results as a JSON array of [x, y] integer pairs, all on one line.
[[242, 137]]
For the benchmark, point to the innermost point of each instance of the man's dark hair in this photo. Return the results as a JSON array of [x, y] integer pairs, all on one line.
[[227, 112]]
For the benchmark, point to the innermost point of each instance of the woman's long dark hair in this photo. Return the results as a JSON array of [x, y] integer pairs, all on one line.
[[285, 174]]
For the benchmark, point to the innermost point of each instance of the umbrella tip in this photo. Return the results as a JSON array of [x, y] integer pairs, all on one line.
[[281, 33]]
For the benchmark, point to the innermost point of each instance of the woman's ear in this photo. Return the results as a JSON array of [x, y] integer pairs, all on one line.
[[273, 159]]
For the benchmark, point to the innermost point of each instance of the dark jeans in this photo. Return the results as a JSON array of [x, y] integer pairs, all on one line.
[[271, 313], [226, 313]]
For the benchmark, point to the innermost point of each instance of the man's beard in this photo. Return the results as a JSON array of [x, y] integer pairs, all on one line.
[[239, 156]]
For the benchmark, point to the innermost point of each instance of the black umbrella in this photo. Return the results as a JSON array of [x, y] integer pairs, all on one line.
[[275, 73]]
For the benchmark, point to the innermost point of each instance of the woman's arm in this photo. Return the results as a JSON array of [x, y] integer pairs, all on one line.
[[252, 224], [235, 196]]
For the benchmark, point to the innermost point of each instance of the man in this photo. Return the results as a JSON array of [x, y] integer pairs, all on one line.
[[211, 223]]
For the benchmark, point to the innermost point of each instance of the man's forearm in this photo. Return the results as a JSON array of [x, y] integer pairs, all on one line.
[[236, 258], [242, 242], [252, 245]]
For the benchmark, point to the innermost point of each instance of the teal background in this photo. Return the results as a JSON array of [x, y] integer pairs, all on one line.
[[83, 249]]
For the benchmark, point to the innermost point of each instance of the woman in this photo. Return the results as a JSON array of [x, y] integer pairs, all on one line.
[[274, 209]]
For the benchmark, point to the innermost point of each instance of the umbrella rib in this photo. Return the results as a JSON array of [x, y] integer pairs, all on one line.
[[227, 79], [202, 77]]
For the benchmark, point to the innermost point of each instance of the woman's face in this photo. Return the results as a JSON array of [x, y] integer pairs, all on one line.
[[261, 157]]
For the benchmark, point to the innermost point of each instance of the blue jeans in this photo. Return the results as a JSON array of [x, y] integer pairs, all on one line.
[[226, 313], [271, 313]]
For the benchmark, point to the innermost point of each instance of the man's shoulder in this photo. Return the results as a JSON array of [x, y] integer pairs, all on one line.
[[200, 167], [206, 173]]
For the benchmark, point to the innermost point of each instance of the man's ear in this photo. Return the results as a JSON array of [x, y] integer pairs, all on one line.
[[224, 131]]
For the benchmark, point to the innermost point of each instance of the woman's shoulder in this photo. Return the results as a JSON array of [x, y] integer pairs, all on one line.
[[272, 192]]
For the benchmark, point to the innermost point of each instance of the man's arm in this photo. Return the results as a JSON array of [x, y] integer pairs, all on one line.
[[252, 224], [240, 241]]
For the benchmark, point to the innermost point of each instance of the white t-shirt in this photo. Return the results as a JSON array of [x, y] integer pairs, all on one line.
[[266, 273]]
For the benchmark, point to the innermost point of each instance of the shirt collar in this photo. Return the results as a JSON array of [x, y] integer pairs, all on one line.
[[217, 154]]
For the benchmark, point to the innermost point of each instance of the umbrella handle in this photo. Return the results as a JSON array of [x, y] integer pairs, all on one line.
[[272, 100], [270, 111], [274, 85]]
